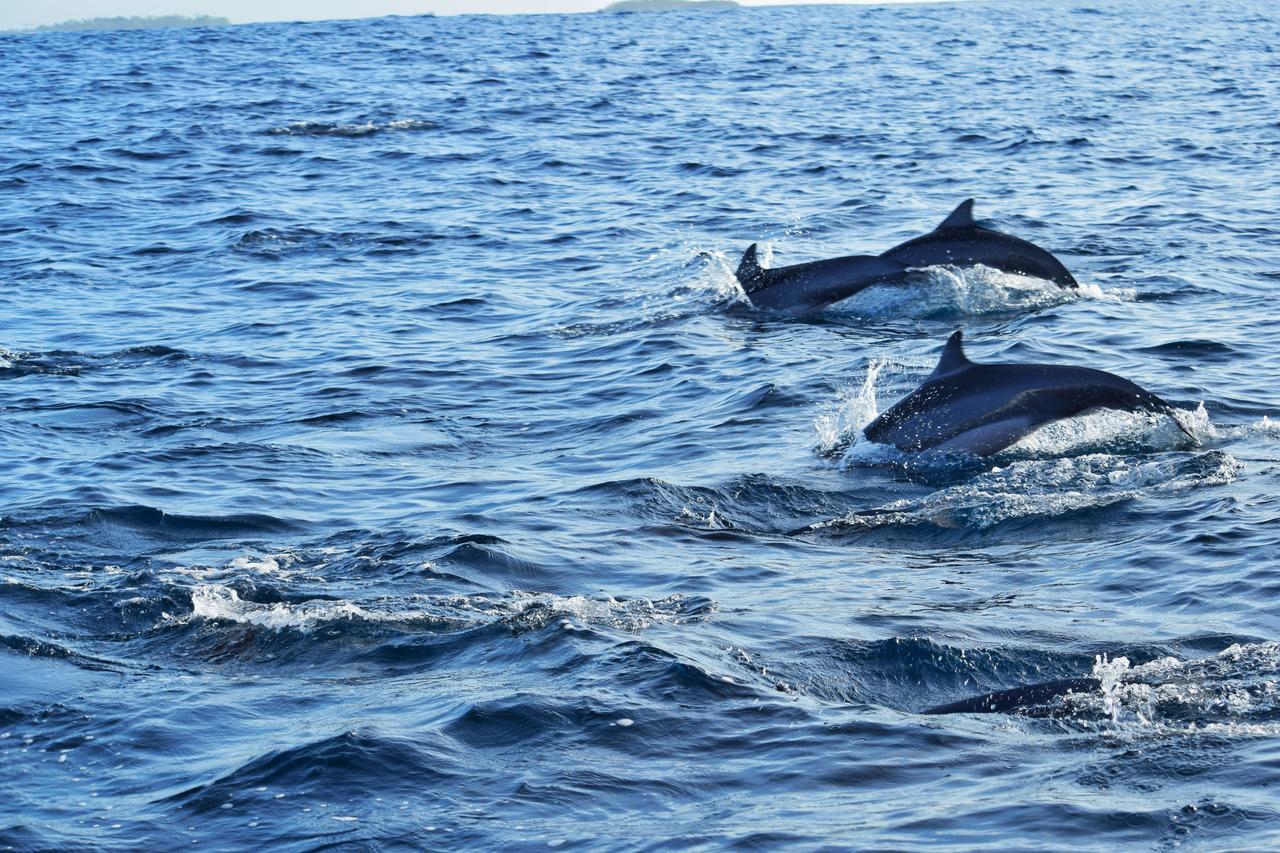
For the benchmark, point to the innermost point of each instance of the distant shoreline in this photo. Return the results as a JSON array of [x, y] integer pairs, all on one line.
[[126, 23], [180, 21], [622, 6]]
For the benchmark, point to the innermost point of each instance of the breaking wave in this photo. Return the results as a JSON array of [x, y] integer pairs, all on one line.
[[519, 610]]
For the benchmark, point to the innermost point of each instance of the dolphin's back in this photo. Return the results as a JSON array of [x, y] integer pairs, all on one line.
[[977, 245], [983, 408], [961, 240], [1019, 698]]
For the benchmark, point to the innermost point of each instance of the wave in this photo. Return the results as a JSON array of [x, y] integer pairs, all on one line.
[[153, 520], [368, 128], [362, 760], [1232, 692], [282, 241], [897, 672], [14, 365], [519, 611], [1043, 488]]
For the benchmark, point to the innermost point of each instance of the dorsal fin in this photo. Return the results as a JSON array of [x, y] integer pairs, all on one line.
[[749, 271], [953, 357], [961, 217]]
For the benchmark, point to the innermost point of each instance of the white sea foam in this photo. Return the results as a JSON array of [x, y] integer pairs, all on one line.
[[211, 601], [522, 610], [270, 564], [1232, 692], [631, 614], [1266, 427]]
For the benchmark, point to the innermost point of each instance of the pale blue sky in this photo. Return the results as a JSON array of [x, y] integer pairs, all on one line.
[[25, 13]]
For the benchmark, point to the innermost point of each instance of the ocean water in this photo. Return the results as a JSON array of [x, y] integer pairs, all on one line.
[[389, 460]]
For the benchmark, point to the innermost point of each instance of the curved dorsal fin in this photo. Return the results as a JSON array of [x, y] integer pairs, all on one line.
[[749, 269], [961, 217], [953, 357]]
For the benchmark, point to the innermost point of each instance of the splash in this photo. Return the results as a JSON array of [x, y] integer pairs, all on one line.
[[1114, 431], [1047, 488], [268, 564], [532, 610], [856, 407], [211, 601], [956, 292], [1232, 692], [1266, 427], [717, 277], [1110, 675]]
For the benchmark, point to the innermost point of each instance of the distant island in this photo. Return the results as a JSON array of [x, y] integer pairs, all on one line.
[[150, 23], [668, 5]]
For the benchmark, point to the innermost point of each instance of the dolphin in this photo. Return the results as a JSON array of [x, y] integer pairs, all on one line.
[[983, 408], [1018, 699], [805, 287], [959, 241]]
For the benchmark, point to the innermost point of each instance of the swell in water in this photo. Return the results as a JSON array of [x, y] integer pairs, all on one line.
[[389, 458]]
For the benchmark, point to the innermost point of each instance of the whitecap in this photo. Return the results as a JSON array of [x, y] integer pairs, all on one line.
[[519, 609]]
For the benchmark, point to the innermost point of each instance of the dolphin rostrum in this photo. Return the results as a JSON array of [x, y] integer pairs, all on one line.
[[959, 241], [983, 408]]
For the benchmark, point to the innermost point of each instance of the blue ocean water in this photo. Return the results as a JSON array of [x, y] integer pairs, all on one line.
[[388, 458]]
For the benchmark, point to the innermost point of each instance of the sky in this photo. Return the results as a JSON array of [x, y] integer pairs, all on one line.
[[25, 13]]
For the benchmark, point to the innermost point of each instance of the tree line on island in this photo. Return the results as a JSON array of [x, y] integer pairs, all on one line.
[[668, 5], [162, 21], [131, 23]]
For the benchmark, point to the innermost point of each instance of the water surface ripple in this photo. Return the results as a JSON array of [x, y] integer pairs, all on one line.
[[387, 458]]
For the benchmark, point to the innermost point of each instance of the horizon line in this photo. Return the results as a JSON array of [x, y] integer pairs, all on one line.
[[30, 28]]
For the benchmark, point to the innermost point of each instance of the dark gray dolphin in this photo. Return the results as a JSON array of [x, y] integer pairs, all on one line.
[[961, 241], [958, 241], [983, 408], [812, 285], [1019, 698]]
